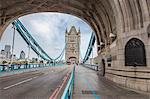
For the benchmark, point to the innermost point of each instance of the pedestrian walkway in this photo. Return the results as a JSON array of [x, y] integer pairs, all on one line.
[[89, 85]]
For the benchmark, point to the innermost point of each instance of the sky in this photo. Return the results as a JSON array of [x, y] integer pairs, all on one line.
[[48, 29]]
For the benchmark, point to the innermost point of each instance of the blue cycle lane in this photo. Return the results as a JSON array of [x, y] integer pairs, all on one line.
[[91, 88], [88, 84], [85, 84]]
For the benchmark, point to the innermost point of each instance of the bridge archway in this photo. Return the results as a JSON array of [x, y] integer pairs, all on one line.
[[72, 60], [100, 18]]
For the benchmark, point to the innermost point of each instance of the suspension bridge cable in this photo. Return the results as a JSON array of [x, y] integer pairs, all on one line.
[[32, 42], [27, 40], [32, 39], [60, 53], [89, 49]]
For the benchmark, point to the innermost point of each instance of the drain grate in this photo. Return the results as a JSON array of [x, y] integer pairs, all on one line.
[[89, 92]]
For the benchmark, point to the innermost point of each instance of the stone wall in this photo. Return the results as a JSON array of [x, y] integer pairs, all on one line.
[[137, 78]]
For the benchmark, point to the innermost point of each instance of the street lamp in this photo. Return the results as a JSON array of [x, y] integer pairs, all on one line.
[[13, 43], [29, 47]]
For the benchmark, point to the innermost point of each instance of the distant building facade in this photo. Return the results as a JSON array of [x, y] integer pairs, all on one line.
[[3, 52], [7, 51], [13, 57], [6, 55], [2, 55], [72, 39], [22, 55]]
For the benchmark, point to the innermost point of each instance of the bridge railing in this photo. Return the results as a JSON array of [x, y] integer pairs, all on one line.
[[69, 88], [4, 68], [91, 66]]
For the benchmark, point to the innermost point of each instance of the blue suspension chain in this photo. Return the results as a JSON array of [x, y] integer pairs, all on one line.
[[26, 36]]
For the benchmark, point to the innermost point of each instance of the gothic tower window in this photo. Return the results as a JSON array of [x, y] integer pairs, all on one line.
[[135, 53]]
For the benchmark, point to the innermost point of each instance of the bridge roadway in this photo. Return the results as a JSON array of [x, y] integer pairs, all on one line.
[[39, 84], [89, 85]]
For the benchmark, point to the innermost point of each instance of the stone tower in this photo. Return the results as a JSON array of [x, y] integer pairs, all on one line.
[[72, 39]]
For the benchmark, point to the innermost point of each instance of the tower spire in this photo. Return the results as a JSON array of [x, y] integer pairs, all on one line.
[[79, 31], [66, 31]]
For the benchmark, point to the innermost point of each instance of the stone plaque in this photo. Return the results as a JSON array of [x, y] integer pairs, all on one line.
[[135, 53]]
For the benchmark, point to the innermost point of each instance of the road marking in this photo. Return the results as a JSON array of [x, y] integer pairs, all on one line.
[[35, 77], [57, 90], [53, 94], [20, 83], [91, 88]]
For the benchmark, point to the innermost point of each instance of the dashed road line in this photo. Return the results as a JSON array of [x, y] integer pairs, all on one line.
[[21, 82]]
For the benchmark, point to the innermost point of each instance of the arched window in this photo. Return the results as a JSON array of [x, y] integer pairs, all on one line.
[[135, 53]]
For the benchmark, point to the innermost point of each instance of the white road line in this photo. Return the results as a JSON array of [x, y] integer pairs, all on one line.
[[20, 82], [35, 77]]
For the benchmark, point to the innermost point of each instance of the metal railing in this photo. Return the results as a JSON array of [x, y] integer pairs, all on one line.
[[69, 88], [94, 67], [4, 68]]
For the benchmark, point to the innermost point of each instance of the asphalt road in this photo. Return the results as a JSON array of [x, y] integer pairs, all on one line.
[[38, 84]]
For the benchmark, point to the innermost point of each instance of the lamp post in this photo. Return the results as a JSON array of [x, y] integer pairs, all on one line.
[[13, 43], [29, 47]]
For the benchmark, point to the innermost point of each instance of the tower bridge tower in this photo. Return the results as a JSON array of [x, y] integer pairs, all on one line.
[[72, 40]]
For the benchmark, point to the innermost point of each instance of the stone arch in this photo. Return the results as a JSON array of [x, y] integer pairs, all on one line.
[[99, 14], [135, 54], [104, 16]]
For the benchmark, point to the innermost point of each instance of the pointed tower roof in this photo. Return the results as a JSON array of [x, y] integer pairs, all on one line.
[[73, 30]]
